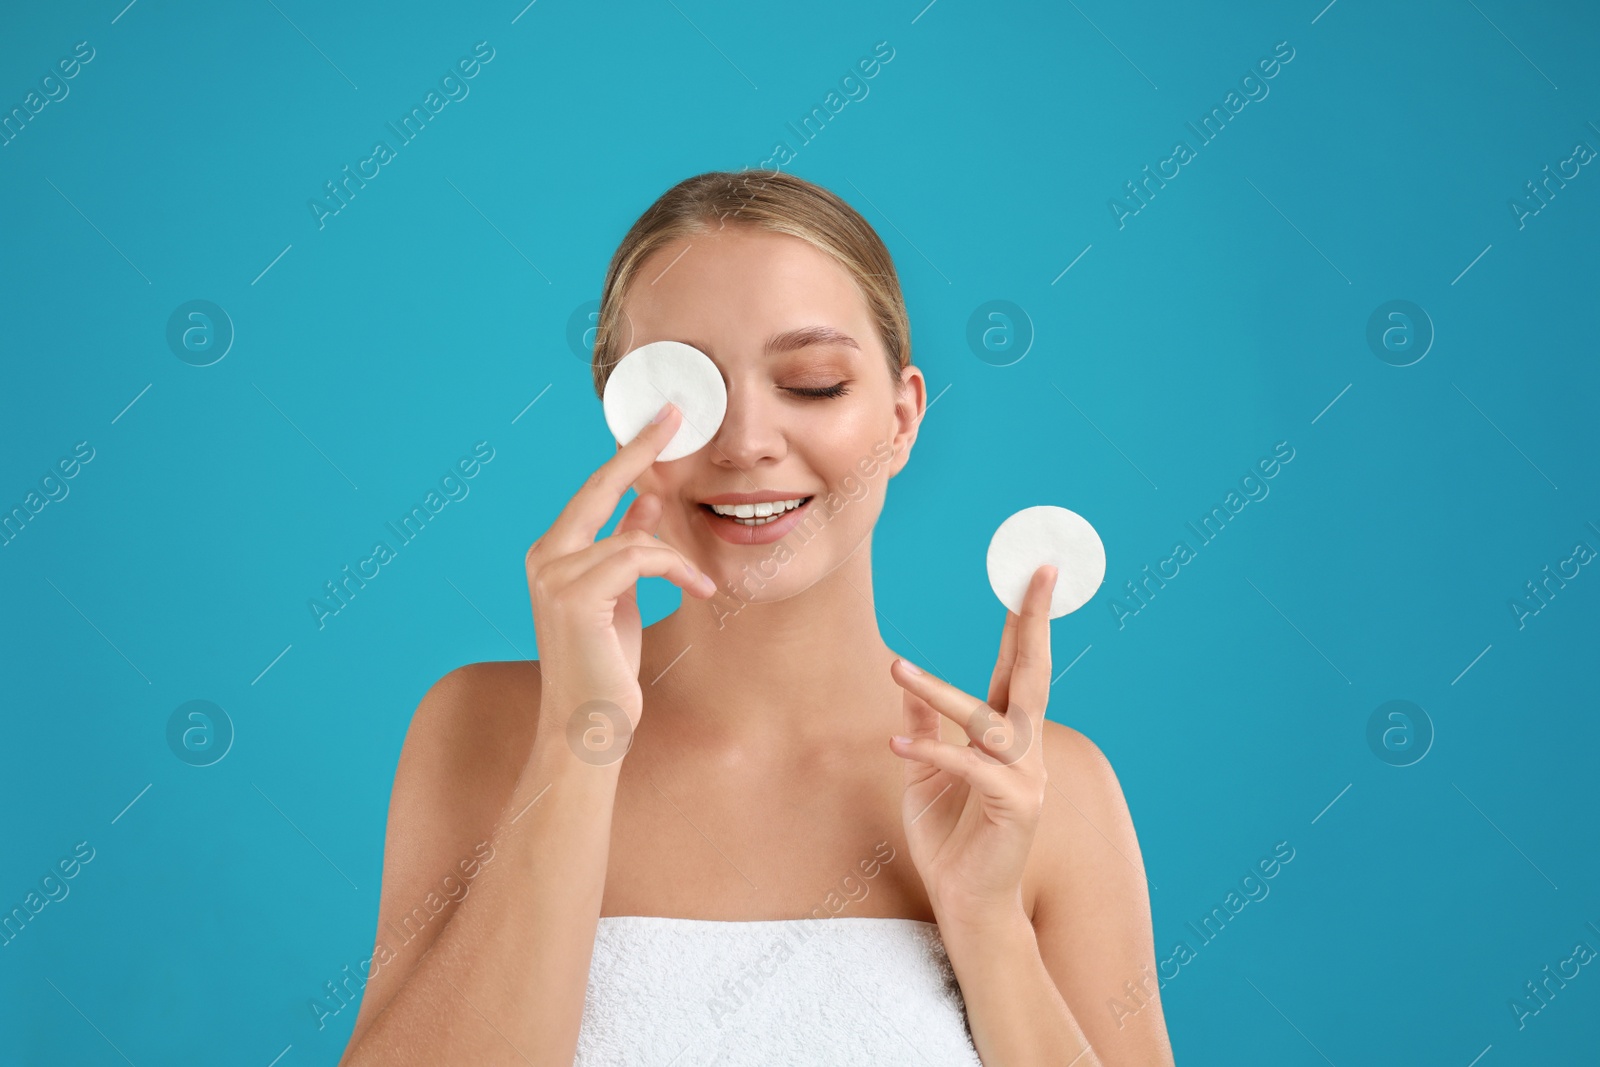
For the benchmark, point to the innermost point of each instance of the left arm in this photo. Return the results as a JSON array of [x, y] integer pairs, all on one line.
[[1089, 938], [1014, 1009], [975, 818]]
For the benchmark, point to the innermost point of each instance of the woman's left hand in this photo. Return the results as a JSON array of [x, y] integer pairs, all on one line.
[[970, 811]]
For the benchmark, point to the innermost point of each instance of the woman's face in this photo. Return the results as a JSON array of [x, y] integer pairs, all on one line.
[[812, 412]]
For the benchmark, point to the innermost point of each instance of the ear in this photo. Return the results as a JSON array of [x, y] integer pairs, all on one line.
[[911, 403]]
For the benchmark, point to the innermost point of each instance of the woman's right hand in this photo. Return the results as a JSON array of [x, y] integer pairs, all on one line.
[[585, 610]]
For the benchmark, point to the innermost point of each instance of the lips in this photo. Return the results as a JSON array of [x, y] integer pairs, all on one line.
[[755, 533], [757, 514], [765, 496]]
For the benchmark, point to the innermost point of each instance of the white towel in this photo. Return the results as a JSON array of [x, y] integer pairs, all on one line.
[[846, 990]]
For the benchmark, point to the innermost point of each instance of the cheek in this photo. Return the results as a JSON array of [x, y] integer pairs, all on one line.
[[665, 480], [855, 456], [679, 513]]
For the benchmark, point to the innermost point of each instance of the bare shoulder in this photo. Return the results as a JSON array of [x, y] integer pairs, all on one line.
[[467, 742], [1085, 829], [1091, 910], [479, 718], [464, 749], [1070, 752]]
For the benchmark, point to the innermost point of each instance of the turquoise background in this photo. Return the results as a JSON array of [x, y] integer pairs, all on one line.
[[1229, 314]]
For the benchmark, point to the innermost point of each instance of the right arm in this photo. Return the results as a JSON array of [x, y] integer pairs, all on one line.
[[502, 979]]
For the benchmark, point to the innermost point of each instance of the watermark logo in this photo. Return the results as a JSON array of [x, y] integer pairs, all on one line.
[[853, 87], [53, 487], [730, 998], [1524, 207], [453, 87], [599, 732], [821, 511], [1253, 888], [1140, 193], [54, 89], [1400, 333], [1399, 733], [451, 889], [1551, 982], [1007, 737], [1135, 598], [453, 487], [200, 333], [1538, 597], [1000, 333], [53, 888], [199, 733], [583, 332]]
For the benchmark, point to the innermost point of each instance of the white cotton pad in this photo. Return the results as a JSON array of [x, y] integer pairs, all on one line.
[[653, 374], [1037, 536]]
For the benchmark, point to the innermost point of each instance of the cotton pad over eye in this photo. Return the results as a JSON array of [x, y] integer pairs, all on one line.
[[1037, 536], [652, 374]]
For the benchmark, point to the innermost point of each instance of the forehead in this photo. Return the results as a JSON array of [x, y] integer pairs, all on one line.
[[738, 282]]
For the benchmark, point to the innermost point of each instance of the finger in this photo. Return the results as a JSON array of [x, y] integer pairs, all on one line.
[[936, 693], [1000, 680], [1007, 736], [1030, 674], [620, 564], [643, 514], [920, 720], [979, 770], [921, 723], [592, 506]]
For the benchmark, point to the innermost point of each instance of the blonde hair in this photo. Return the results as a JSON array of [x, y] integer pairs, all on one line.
[[767, 200]]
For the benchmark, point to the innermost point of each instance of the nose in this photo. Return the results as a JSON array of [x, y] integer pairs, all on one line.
[[752, 430]]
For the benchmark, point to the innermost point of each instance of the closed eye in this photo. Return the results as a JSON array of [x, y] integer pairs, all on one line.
[[828, 391]]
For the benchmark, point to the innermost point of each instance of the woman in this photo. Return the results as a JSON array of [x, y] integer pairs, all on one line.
[[698, 840]]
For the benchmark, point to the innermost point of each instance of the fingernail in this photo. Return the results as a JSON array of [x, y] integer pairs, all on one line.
[[662, 414], [908, 665], [902, 741]]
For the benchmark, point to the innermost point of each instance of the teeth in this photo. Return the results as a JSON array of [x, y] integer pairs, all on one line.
[[758, 514]]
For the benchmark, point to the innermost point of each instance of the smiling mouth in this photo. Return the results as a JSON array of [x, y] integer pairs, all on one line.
[[757, 514]]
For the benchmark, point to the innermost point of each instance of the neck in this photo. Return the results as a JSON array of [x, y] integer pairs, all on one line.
[[809, 671]]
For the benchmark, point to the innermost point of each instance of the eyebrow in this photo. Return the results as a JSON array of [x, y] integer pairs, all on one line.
[[805, 337]]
